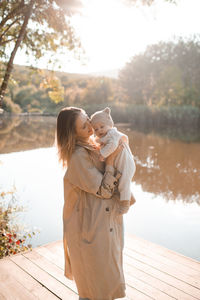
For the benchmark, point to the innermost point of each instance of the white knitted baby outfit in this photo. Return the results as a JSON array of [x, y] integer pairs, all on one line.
[[124, 161]]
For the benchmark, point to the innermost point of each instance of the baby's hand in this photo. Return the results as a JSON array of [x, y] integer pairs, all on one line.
[[97, 140], [123, 139], [97, 147]]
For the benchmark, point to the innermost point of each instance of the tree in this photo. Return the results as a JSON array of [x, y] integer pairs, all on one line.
[[17, 44], [38, 26], [167, 73], [98, 90], [49, 29]]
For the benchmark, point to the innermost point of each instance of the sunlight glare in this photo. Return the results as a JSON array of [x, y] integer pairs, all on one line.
[[110, 32]]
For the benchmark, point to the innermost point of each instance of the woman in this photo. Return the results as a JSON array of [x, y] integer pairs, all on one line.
[[92, 222]]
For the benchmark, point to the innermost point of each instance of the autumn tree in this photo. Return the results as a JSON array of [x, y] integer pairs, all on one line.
[[167, 73], [38, 26]]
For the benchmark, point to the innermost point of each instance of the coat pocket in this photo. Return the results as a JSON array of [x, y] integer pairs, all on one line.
[[92, 217]]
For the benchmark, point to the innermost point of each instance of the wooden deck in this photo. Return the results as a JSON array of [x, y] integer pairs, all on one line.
[[151, 271]]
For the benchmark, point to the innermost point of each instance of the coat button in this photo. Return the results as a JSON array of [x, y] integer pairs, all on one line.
[[111, 229], [107, 208]]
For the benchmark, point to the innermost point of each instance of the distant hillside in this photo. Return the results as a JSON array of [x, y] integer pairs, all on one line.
[[31, 91], [70, 76], [108, 73]]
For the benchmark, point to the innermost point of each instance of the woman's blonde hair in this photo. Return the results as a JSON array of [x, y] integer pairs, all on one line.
[[66, 133]]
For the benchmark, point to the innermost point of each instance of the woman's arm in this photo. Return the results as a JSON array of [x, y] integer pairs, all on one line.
[[83, 174]]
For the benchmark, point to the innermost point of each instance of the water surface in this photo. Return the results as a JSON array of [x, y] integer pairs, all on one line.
[[166, 184]]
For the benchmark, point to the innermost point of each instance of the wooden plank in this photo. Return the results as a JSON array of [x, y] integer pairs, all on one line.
[[7, 293], [133, 242], [12, 289], [56, 287], [56, 251], [194, 281], [52, 256], [9, 268], [133, 293], [193, 292], [53, 244], [49, 267], [160, 274], [151, 272], [57, 246], [156, 283], [3, 296], [164, 260], [146, 288], [52, 252]]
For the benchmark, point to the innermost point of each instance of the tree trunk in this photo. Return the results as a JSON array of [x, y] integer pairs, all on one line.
[[12, 56]]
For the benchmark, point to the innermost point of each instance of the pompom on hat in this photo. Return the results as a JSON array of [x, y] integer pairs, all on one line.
[[102, 116]]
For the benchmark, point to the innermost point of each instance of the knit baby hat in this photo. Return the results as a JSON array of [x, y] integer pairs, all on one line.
[[102, 116]]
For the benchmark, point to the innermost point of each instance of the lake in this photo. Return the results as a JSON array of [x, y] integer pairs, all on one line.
[[166, 184]]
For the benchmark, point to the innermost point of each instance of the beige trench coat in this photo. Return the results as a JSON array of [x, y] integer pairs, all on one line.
[[92, 231]]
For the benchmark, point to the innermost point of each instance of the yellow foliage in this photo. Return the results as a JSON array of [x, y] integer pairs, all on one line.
[[56, 94]]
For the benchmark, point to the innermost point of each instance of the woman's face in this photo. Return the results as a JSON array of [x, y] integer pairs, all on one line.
[[83, 127]]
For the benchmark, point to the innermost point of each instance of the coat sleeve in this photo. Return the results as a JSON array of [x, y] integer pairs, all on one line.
[[83, 174]]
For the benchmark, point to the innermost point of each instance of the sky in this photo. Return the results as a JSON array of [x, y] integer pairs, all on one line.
[[112, 32]]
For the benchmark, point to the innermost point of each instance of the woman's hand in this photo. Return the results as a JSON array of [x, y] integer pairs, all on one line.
[[111, 158]]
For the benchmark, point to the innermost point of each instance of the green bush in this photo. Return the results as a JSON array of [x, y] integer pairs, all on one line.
[[10, 106]]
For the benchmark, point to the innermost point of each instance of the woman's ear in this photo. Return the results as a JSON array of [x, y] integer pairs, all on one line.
[[107, 110]]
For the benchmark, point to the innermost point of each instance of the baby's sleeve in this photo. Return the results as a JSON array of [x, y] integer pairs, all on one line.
[[110, 146]]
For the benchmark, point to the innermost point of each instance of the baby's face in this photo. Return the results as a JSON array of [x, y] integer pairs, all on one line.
[[100, 129]]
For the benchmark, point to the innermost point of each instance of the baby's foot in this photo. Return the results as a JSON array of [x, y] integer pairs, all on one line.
[[133, 200], [123, 207]]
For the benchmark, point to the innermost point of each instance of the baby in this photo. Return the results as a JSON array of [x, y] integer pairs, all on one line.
[[109, 137]]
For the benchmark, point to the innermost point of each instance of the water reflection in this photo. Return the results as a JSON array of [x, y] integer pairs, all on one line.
[[21, 133], [170, 168], [167, 167]]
